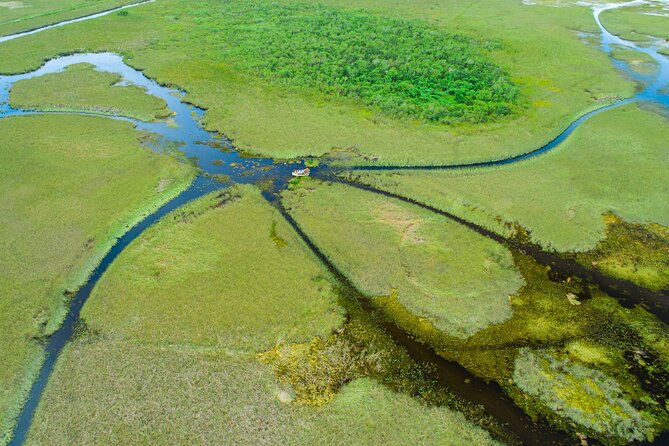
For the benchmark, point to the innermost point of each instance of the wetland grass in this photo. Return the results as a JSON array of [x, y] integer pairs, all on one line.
[[24, 15], [199, 349], [82, 88], [614, 164], [64, 201], [637, 23], [447, 274], [214, 274]]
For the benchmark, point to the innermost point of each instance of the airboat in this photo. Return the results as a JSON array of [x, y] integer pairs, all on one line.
[[301, 172]]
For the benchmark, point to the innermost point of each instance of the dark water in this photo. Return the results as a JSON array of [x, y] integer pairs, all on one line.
[[216, 155]]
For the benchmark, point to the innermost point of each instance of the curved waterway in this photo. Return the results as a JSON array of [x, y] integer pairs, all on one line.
[[67, 22], [654, 89], [222, 165]]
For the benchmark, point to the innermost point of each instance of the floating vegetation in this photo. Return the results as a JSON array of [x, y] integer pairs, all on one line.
[[632, 251], [278, 241], [582, 394], [628, 345]]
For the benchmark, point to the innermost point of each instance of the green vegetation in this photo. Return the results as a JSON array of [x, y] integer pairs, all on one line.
[[197, 279], [70, 186], [23, 15], [184, 311], [403, 68], [615, 162], [637, 23], [583, 394], [95, 92], [590, 332], [632, 251], [220, 398], [640, 62], [441, 271], [175, 44]]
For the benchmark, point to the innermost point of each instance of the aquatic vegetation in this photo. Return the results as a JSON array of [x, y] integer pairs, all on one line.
[[69, 186], [614, 163], [95, 91], [201, 254], [640, 62], [441, 271], [636, 252], [630, 345], [582, 394], [546, 61]]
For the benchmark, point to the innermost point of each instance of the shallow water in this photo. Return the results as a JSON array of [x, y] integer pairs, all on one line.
[[216, 155]]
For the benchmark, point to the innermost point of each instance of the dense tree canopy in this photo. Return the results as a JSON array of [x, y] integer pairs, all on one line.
[[404, 68]]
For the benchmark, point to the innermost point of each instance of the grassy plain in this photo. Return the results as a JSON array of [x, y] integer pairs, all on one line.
[[179, 43], [70, 185], [222, 272], [614, 163], [81, 88], [637, 23], [189, 397], [441, 271], [23, 15], [167, 354]]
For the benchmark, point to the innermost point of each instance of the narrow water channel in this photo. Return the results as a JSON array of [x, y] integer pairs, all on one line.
[[216, 157]]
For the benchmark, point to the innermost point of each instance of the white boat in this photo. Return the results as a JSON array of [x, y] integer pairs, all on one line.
[[301, 172]]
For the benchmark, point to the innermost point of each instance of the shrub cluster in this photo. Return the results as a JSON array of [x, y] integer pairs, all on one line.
[[404, 68]]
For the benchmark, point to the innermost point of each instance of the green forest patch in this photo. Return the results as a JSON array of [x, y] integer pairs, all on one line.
[[404, 68]]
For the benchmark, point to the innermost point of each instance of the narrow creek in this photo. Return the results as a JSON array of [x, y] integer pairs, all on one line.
[[221, 165]]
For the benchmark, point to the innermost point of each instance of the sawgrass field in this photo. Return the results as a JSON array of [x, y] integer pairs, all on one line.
[[177, 323], [64, 201]]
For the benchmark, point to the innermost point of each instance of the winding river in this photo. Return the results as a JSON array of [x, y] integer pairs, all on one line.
[[216, 157]]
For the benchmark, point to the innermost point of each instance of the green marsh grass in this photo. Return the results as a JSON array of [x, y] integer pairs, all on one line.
[[214, 274], [614, 163], [81, 88], [70, 186], [455, 278], [24, 15], [168, 351], [174, 44], [635, 23], [192, 397]]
